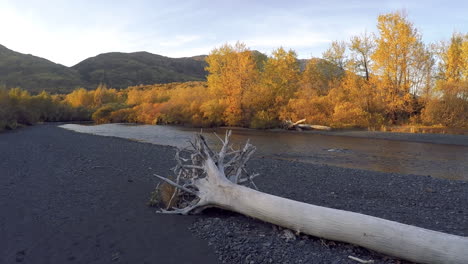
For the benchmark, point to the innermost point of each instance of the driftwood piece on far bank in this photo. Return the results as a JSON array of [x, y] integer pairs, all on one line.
[[299, 126]]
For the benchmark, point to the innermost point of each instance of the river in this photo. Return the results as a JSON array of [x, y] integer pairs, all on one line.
[[449, 161]]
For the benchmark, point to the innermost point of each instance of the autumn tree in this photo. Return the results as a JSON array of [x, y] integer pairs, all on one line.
[[465, 56], [319, 74], [395, 59], [184, 106], [311, 101], [453, 59], [362, 47], [450, 106], [336, 54], [278, 83], [232, 71]]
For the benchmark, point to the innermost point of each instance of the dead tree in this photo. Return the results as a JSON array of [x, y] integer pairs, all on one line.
[[205, 179]]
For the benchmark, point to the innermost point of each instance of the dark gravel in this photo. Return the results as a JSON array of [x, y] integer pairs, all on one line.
[[67, 197]]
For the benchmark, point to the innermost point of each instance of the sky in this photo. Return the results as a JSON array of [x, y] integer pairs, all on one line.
[[69, 31]]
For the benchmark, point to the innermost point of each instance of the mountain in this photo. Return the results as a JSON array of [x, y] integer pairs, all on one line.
[[35, 74], [115, 69], [199, 57], [120, 70]]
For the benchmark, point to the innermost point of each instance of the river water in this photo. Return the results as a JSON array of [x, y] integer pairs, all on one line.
[[437, 160]]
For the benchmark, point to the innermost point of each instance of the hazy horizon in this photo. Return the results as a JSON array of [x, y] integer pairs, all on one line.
[[67, 33]]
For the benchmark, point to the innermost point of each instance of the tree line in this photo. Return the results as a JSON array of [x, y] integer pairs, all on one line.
[[369, 81]]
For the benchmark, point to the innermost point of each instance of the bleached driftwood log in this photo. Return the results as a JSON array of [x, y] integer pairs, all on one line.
[[319, 127], [299, 126], [208, 179]]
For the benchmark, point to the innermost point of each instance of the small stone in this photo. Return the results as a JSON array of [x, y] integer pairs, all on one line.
[[288, 235], [266, 244]]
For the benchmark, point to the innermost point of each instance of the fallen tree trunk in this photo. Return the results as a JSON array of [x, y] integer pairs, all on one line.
[[207, 179], [299, 126]]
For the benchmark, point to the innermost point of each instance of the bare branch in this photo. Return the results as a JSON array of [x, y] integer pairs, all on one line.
[[183, 211], [176, 191], [245, 155], [176, 185], [192, 167], [360, 260]]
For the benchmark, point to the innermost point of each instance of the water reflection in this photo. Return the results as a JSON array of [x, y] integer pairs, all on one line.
[[444, 161]]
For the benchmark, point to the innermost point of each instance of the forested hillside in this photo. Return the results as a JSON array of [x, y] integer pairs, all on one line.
[[36, 74], [118, 70]]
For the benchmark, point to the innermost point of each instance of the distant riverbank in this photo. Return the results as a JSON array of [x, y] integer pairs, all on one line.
[[69, 197]]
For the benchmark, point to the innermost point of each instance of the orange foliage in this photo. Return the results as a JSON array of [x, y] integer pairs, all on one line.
[[232, 72], [148, 113]]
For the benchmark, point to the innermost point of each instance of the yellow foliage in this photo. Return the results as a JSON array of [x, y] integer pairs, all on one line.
[[465, 56], [264, 119], [449, 110], [149, 94], [278, 83], [81, 97], [102, 95], [336, 54], [319, 75], [395, 51], [232, 72], [212, 112], [362, 47], [349, 115], [316, 110], [18, 107], [125, 115], [398, 59], [148, 113], [454, 59]]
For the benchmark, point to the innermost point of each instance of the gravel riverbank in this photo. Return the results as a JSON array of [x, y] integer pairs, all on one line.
[[68, 197]]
